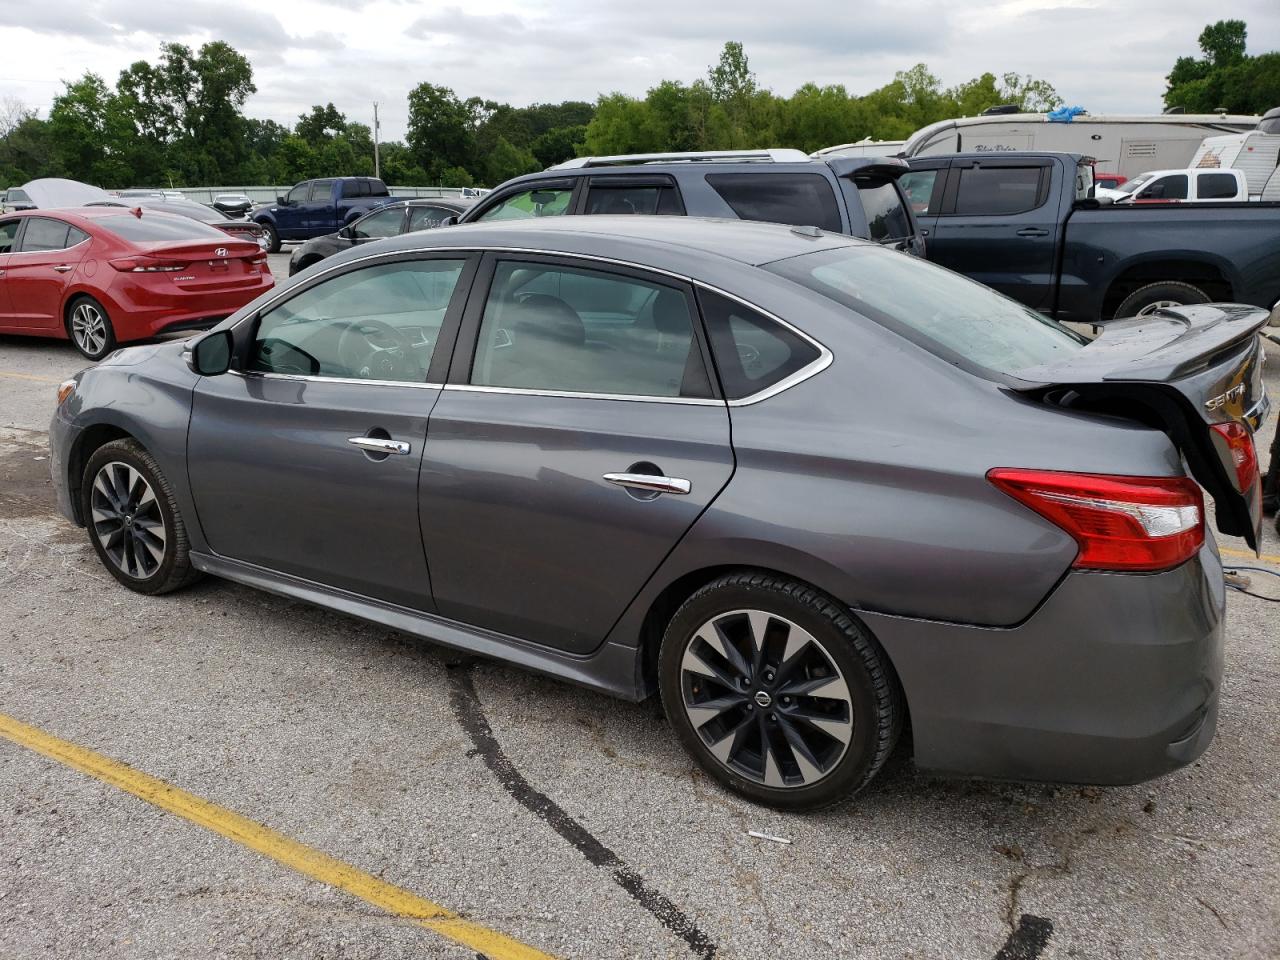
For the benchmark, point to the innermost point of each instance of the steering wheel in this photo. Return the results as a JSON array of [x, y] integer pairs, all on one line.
[[387, 353]]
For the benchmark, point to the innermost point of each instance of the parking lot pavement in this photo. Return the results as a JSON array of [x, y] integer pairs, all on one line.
[[565, 820]]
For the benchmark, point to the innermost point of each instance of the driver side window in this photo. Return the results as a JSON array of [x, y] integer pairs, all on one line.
[[298, 194], [376, 323]]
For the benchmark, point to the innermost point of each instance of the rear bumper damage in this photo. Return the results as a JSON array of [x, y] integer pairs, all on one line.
[[1113, 680]]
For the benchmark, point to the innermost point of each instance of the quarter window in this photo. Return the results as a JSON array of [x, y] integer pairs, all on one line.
[[804, 199], [535, 202], [990, 191], [377, 323], [653, 200], [752, 352], [44, 234], [557, 328], [8, 231], [384, 223]]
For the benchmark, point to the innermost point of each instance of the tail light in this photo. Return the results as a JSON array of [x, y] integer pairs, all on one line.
[[147, 265], [1235, 446], [1120, 523]]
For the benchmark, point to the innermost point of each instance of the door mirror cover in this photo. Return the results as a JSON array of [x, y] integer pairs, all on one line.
[[211, 356], [449, 221], [282, 201]]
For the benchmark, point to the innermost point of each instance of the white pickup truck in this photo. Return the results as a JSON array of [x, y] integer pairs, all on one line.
[[1182, 186]]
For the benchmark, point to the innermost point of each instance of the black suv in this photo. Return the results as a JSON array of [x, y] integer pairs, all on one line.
[[858, 196]]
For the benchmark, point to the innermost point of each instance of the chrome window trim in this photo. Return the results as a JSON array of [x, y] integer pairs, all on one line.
[[820, 363], [21, 253], [307, 378], [575, 395]]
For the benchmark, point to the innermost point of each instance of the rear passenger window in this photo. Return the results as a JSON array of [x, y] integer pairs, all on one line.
[[803, 199], [990, 191], [752, 352], [886, 216], [918, 186], [321, 190], [654, 200], [1216, 186], [44, 234], [564, 329]]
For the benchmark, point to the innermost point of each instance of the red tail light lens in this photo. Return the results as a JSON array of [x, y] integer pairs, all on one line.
[[1121, 523], [1235, 445]]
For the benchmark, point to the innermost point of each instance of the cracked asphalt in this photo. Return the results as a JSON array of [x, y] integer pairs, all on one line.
[[567, 820]]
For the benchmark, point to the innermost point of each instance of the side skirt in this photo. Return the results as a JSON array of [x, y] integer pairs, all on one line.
[[612, 668]]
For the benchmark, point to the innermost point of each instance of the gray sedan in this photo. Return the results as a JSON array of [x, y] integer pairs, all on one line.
[[804, 487]]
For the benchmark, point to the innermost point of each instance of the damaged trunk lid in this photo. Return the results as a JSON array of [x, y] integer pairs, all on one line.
[[1194, 372]]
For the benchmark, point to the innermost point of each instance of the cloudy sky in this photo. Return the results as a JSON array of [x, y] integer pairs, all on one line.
[[1106, 55]]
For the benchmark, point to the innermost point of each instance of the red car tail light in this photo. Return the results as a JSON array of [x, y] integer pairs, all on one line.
[[1235, 445], [1120, 523], [146, 265]]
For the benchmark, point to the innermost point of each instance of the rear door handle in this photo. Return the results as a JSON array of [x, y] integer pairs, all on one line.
[[378, 445], [1032, 232], [651, 483], [63, 268]]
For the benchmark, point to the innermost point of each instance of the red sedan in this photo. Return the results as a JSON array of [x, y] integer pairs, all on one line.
[[107, 275]]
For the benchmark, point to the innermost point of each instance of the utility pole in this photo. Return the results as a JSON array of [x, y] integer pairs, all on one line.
[[377, 161]]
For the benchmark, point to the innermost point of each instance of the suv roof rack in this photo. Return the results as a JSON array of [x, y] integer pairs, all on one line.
[[781, 155]]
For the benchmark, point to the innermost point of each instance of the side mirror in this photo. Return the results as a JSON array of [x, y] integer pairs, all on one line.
[[449, 221], [346, 233], [282, 201], [211, 356]]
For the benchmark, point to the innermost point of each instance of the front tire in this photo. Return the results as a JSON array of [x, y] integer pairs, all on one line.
[[777, 692], [133, 520], [90, 328], [273, 237], [1165, 293]]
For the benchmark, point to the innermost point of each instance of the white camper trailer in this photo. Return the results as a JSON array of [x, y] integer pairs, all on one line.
[[863, 148], [1126, 145], [1256, 153]]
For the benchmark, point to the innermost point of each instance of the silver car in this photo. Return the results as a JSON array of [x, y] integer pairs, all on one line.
[[803, 486]]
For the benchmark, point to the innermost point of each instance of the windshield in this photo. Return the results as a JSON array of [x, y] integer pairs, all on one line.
[[1135, 183], [941, 311]]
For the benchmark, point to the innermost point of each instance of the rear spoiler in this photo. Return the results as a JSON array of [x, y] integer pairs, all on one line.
[[868, 168]]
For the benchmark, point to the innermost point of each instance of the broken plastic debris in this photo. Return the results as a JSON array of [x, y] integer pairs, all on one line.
[[767, 836]]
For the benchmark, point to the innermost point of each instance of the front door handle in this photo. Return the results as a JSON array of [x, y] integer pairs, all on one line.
[[379, 445], [63, 268], [650, 483], [1032, 232]]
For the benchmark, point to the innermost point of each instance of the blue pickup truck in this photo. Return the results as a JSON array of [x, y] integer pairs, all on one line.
[[1027, 225], [314, 208]]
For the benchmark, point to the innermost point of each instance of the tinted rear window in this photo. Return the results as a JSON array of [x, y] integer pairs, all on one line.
[[998, 190], [378, 189], [802, 199], [886, 216], [1216, 186], [941, 311], [154, 228]]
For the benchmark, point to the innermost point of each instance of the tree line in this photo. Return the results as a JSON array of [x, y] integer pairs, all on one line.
[[180, 120]]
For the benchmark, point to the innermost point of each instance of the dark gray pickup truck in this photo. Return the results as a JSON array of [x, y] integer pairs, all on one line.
[[1025, 224]]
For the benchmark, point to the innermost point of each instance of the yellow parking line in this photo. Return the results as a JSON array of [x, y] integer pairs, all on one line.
[[1250, 555], [27, 376], [297, 856]]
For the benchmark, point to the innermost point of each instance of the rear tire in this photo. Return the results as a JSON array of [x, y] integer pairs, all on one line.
[[90, 328], [273, 238], [1165, 293], [132, 517], [749, 662]]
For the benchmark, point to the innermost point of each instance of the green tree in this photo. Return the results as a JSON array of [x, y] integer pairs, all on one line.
[[441, 131], [320, 124], [1224, 76]]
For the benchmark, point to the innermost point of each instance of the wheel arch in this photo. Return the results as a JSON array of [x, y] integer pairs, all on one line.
[[90, 440], [1216, 278], [667, 600]]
